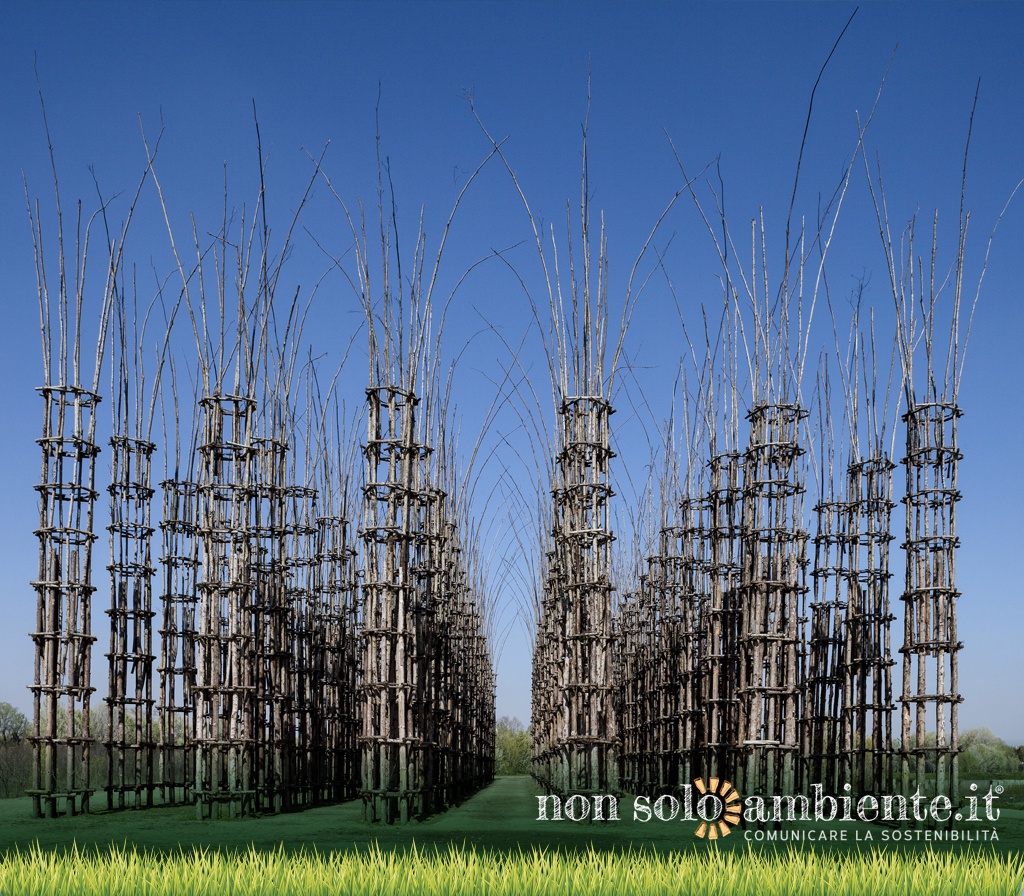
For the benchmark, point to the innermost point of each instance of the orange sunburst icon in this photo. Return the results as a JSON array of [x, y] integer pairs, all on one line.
[[718, 807]]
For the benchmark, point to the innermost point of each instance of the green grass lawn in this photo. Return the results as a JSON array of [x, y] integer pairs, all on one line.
[[492, 844], [500, 818]]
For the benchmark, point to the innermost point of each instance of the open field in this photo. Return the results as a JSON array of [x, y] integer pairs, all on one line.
[[492, 844], [500, 819]]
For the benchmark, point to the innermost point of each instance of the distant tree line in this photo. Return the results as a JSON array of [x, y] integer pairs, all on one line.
[[983, 755], [511, 747], [15, 752], [16, 749]]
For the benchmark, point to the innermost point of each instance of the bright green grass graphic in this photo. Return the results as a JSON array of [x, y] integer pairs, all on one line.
[[464, 872]]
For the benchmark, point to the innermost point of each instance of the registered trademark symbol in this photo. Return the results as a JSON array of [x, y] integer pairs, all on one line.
[[999, 788]]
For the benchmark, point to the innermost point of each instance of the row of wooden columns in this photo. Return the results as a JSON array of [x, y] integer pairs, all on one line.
[[280, 683], [731, 663], [426, 693]]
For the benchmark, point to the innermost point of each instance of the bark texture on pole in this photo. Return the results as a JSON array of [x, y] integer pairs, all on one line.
[[721, 658], [130, 744], [225, 686], [61, 688], [584, 749], [337, 658], [931, 696], [304, 635], [772, 592], [866, 750], [180, 570], [275, 643], [389, 788], [426, 687], [823, 708]]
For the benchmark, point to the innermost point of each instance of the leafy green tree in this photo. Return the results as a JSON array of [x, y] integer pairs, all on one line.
[[512, 747], [978, 736], [983, 755], [15, 751], [13, 724]]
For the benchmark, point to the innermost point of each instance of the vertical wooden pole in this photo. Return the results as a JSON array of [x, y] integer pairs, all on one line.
[[772, 592], [180, 564], [63, 638], [226, 633], [930, 644], [130, 744]]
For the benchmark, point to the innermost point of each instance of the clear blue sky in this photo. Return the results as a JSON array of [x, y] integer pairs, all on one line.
[[726, 81]]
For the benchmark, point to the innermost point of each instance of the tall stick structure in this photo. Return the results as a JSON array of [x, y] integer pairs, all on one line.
[[63, 634], [132, 773], [772, 591], [237, 478], [931, 696], [130, 743], [576, 625], [179, 563], [582, 542], [824, 694], [61, 735], [225, 635], [694, 575], [773, 586], [930, 691], [866, 704], [339, 661], [868, 701], [337, 645], [278, 655], [390, 793], [930, 645], [226, 711], [721, 659], [303, 596], [403, 535], [547, 710], [628, 659], [719, 407]]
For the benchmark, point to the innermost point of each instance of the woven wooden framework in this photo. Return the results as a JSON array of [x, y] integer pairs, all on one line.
[[721, 657], [336, 659], [866, 746], [61, 688], [772, 592], [131, 746], [225, 687], [582, 541], [389, 788], [179, 562], [931, 697], [822, 712], [273, 620]]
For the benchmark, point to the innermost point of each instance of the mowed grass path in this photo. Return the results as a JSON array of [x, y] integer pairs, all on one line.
[[501, 818]]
